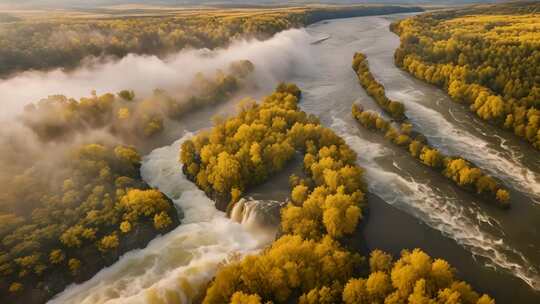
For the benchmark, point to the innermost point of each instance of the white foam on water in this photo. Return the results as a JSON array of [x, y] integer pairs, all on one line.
[[506, 165], [173, 268], [258, 216], [464, 224]]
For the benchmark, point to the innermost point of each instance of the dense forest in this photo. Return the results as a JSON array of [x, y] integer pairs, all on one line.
[[461, 171], [485, 57], [45, 43], [63, 227], [309, 262]]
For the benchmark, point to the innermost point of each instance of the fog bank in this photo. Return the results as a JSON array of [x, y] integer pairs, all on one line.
[[275, 59]]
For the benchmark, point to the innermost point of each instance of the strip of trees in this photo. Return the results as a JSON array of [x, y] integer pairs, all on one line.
[[461, 171], [375, 89], [307, 263], [485, 58], [47, 43]]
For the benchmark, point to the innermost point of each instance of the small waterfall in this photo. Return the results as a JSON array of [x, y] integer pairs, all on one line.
[[258, 216]]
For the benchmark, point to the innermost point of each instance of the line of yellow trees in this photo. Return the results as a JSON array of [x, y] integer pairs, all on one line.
[[45, 43], [458, 169], [307, 263], [376, 90], [485, 57]]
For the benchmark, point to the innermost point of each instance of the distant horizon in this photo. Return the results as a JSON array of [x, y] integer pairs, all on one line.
[[73, 4]]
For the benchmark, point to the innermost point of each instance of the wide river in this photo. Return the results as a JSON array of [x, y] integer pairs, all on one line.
[[497, 251]]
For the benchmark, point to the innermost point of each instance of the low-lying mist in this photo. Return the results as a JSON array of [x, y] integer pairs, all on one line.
[[274, 59], [26, 136]]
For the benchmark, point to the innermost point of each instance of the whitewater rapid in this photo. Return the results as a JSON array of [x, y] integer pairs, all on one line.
[[467, 225], [176, 267], [505, 164]]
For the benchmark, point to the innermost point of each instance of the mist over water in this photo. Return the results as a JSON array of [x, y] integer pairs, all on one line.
[[175, 267], [275, 59]]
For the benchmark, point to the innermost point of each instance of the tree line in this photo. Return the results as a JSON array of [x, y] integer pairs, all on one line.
[[461, 171], [48, 43], [376, 90], [308, 263], [485, 58]]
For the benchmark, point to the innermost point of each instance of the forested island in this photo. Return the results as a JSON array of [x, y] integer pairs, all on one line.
[[308, 263]]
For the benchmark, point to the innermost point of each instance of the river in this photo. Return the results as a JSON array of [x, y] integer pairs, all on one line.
[[497, 251]]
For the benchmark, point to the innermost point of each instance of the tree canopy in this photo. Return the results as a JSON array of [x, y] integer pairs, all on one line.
[[58, 222], [484, 57], [459, 170]]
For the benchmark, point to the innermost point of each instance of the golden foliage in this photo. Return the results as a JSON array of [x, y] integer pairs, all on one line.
[[375, 89], [15, 287], [108, 242], [74, 265], [459, 170], [125, 227], [242, 298], [289, 264], [483, 59], [98, 193], [57, 256], [162, 220]]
